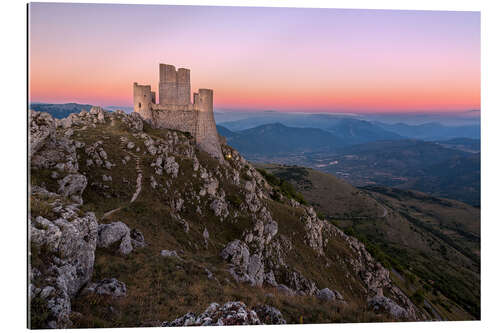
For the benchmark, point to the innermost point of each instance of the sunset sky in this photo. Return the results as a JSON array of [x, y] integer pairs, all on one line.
[[285, 59]]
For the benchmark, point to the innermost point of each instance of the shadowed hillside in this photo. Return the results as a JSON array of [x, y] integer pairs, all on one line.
[[431, 245], [272, 139]]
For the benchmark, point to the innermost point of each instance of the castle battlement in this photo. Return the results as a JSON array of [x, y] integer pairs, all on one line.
[[175, 110]]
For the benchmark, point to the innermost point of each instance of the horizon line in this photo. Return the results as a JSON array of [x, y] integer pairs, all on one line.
[[321, 111]]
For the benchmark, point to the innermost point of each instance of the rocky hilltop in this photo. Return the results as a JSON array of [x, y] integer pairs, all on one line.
[[131, 225]]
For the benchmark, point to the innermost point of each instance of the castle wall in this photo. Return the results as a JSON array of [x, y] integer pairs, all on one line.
[[173, 107], [143, 98], [206, 131], [183, 86], [167, 89], [175, 85], [176, 117]]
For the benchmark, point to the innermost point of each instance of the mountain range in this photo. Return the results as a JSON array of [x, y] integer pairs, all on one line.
[[271, 139], [276, 138], [430, 157], [432, 131], [367, 154], [351, 128]]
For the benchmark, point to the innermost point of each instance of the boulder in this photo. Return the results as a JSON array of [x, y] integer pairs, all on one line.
[[115, 232], [328, 295], [211, 186], [134, 121], [171, 166], [94, 110], [250, 186], [237, 253], [168, 253], [244, 267], [137, 238], [206, 237], [41, 128], [299, 283], [219, 207], [72, 186], [285, 290], [111, 287], [98, 112], [47, 292], [382, 303], [269, 315], [72, 119]]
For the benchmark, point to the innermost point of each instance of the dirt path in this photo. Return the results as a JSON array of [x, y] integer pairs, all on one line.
[[385, 212], [108, 213], [138, 186]]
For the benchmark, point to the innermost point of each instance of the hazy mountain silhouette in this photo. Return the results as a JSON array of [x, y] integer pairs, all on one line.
[[280, 139], [432, 131]]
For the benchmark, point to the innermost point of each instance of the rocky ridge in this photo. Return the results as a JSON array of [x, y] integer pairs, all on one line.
[[66, 236]]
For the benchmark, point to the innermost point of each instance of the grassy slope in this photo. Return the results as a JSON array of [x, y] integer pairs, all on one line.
[[431, 244], [450, 261], [343, 203]]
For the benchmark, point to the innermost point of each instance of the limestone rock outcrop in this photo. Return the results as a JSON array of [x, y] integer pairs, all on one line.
[[382, 303], [230, 313], [72, 186], [69, 241], [42, 127]]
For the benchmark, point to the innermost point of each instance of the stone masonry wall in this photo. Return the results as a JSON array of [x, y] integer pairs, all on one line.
[[197, 119], [206, 134], [184, 120], [143, 100]]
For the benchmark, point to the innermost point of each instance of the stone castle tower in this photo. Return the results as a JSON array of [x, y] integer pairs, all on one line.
[[175, 109]]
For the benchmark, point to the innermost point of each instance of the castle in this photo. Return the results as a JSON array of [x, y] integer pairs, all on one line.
[[175, 109]]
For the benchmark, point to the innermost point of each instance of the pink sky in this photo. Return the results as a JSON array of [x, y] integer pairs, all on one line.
[[284, 59]]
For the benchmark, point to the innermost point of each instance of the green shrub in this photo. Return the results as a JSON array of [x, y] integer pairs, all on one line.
[[246, 177], [269, 177], [235, 200], [282, 186], [418, 297]]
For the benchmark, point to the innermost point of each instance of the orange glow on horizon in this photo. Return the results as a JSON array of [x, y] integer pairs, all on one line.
[[380, 61]]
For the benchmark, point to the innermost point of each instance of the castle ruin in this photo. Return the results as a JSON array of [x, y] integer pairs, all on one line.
[[175, 109]]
